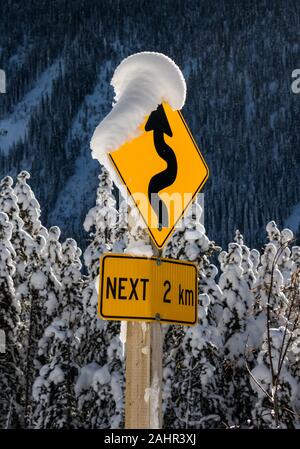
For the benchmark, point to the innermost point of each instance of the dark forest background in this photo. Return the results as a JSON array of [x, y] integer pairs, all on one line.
[[237, 57]]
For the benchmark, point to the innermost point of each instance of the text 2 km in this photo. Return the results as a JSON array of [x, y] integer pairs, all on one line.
[[122, 288]]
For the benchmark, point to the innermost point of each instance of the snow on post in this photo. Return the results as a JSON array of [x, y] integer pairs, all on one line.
[[141, 82]]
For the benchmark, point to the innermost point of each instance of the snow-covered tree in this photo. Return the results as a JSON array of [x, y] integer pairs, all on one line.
[[53, 251], [45, 292], [213, 295], [100, 222], [99, 347], [120, 231], [10, 365], [29, 207], [233, 326], [285, 414], [192, 361], [139, 242], [23, 245], [64, 366], [276, 291], [269, 286], [247, 260], [190, 241], [53, 389], [20, 239]]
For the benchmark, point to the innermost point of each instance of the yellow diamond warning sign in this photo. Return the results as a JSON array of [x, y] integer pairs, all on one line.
[[142, 289], [162, 169]]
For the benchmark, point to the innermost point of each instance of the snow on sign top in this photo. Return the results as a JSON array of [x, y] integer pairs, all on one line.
[[141, 83]]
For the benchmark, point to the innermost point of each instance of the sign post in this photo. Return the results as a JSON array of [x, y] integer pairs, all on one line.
[[144, 349], [143, 376], [151, 291], [163, 171], [156, 361]]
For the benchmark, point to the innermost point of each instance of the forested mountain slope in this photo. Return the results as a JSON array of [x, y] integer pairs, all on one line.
[[59, 57]]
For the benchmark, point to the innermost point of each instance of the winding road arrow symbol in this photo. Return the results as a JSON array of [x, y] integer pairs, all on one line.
[[158, 123]]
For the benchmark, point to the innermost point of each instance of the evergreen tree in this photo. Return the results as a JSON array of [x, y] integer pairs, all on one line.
[[29, 207], [53, 251], [120, 232], [64, 367], [269, 286], [192, 363], [53, 389], [21, 240], [22, 245], [102, 218], [37, 291], [100, 380], [237, 304], [11, 374]]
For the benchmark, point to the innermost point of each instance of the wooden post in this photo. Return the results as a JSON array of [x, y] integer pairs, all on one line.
[[143, 397], [144, 351]]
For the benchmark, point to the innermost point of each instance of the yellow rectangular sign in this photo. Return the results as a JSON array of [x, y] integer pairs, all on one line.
[[148, 289]]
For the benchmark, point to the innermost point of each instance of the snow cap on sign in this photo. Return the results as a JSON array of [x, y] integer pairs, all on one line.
[[141, 82]]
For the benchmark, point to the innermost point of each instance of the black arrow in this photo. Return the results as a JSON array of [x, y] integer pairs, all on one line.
[[158, 123]]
